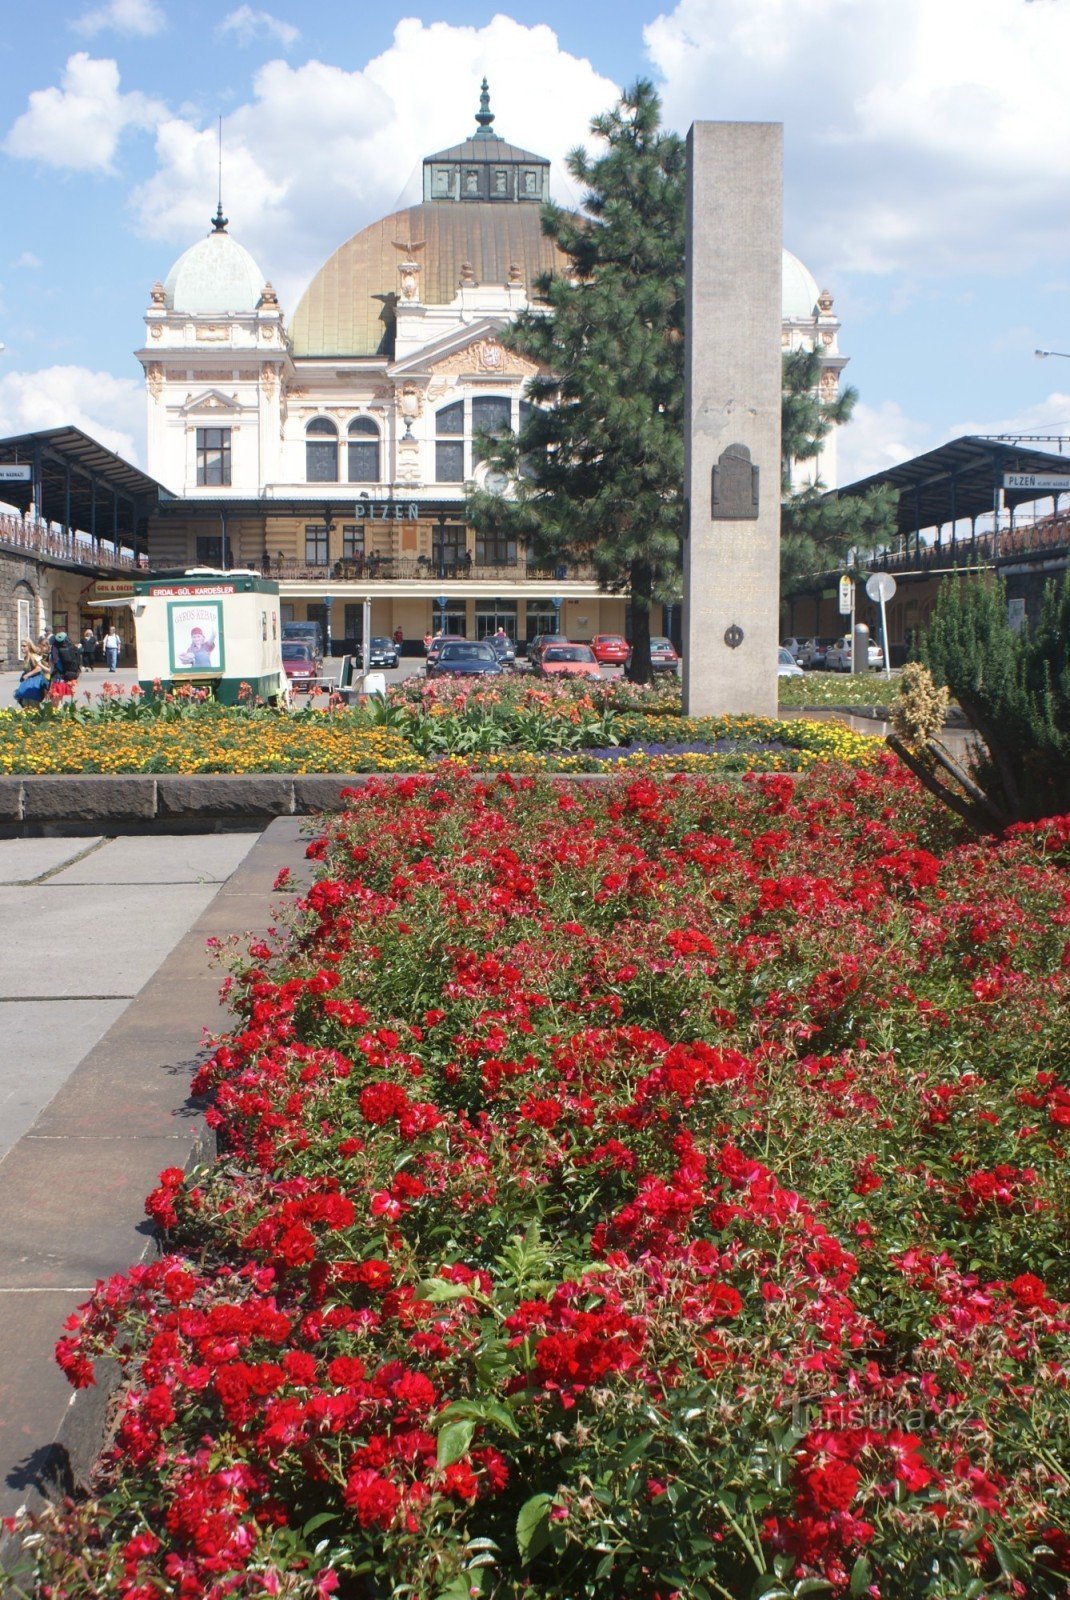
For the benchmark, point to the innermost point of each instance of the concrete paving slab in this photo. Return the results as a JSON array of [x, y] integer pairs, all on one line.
[[24, 860], [160, 858], [91, 940], [35, 1399], [75, 1208], [43, 1041]]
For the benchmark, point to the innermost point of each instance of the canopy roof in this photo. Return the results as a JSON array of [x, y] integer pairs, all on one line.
[[80, 483], [959, 479]]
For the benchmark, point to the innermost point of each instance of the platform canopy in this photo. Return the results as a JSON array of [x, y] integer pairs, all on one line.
[[960, 480], [80, 484]]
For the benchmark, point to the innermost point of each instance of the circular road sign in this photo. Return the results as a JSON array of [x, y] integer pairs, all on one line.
[[880, 586]]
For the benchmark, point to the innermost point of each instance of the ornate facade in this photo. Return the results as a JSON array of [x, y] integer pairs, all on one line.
[[334, 449]]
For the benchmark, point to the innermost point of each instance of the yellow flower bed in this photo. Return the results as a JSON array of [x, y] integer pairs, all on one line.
[[235, 742], [231, 744]]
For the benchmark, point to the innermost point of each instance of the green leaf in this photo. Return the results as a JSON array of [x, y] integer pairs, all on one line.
[[533, 1526], [437, 1290], [861, 1576], [318, 1521], [454, 1440]]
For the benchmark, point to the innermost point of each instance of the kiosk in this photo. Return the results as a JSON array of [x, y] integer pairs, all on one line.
[[219, 631]]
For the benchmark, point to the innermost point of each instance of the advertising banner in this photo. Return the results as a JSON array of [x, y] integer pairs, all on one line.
[[195, 636]]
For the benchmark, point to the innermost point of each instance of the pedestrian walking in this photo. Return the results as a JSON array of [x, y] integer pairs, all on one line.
[[89, 649], [33, 678], [112, 648], [399, 637]]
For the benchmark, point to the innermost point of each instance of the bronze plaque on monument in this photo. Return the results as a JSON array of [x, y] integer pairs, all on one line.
[[735, 486]]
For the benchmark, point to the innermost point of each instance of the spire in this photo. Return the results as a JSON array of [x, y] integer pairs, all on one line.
[[219, 221], [484, 116]]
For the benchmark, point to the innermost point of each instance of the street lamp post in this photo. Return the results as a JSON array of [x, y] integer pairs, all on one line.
[[1042, 354]]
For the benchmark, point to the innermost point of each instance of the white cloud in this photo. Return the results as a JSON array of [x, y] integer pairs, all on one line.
[[878, 437], [1049, 418], [111, 409], [319, 152], [27, 259], [140, 18], [927, 135], [78, 125], [247, 25]]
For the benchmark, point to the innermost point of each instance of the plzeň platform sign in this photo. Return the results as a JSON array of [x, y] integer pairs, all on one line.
[[1042, 482]]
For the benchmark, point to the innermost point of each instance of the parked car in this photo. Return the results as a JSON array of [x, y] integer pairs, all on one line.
[[440, 639], [787, 666], [568, 661], [382, 653], [540, 641], [503, 648], [812, 653], [793, 647], [838, 655], [464, 658], [299, 663], [307, 633], [663, 657], [610, 649]]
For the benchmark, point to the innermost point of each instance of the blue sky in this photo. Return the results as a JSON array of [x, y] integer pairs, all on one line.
[[926, 180]]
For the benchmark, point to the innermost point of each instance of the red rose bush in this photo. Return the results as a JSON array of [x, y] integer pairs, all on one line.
[[653, 1189]]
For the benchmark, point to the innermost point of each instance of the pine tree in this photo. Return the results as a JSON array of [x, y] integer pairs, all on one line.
[[1014, 689], [598, 465], [817, 533], [600, 459]]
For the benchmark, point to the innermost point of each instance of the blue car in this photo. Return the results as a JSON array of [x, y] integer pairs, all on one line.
[[465, 658]]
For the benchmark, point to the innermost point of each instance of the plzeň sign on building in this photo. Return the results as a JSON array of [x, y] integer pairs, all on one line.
[[388, 510], [1043, 482]]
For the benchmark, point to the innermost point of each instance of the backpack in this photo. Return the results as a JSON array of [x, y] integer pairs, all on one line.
[[70, 659]]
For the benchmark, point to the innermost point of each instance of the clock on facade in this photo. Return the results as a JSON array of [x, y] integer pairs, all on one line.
[[496, 483]]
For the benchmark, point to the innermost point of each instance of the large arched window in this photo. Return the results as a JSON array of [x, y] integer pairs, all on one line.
[[363, 451], [321, 451], [449, 443], [491, 414]]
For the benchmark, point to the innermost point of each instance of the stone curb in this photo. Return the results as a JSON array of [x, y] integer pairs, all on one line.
[[72, 1190], [199, 802]]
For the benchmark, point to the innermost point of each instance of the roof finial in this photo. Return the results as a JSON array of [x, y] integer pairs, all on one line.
[[219, 221], [484, 116]]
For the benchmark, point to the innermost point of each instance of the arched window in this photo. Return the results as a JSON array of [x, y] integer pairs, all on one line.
[[363, 451], [491, 413], [321, 451], [449, 443]]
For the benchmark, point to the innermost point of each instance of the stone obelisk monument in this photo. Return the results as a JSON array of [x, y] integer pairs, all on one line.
[[732, 418]]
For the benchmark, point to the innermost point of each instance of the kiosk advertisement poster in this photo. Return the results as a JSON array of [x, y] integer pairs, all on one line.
[[195, 636]]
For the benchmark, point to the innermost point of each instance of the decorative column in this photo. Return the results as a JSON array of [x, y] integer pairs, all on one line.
[[732, 418]]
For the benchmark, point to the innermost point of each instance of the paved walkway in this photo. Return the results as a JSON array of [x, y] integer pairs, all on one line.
[[97, 1083], [88, 922]]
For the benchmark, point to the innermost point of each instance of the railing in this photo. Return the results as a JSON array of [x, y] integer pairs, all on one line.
[[1033, 538], [40, 539], [408, 568]]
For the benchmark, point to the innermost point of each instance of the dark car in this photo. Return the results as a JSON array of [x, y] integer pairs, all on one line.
[[503, 648], [539, 643], [464, 658], [382, 653], [663, 657], [437, 643]]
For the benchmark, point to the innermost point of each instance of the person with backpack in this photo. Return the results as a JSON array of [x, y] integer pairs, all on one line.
[[66, 660]]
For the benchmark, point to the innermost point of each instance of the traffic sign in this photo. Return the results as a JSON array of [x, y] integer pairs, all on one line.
[[880, 586], [1042, 482], [847, 595]]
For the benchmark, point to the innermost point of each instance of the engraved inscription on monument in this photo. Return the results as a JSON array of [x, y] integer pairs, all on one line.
[[735, 486]]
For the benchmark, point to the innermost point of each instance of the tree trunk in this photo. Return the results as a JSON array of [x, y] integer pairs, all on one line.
[[639, 669]]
